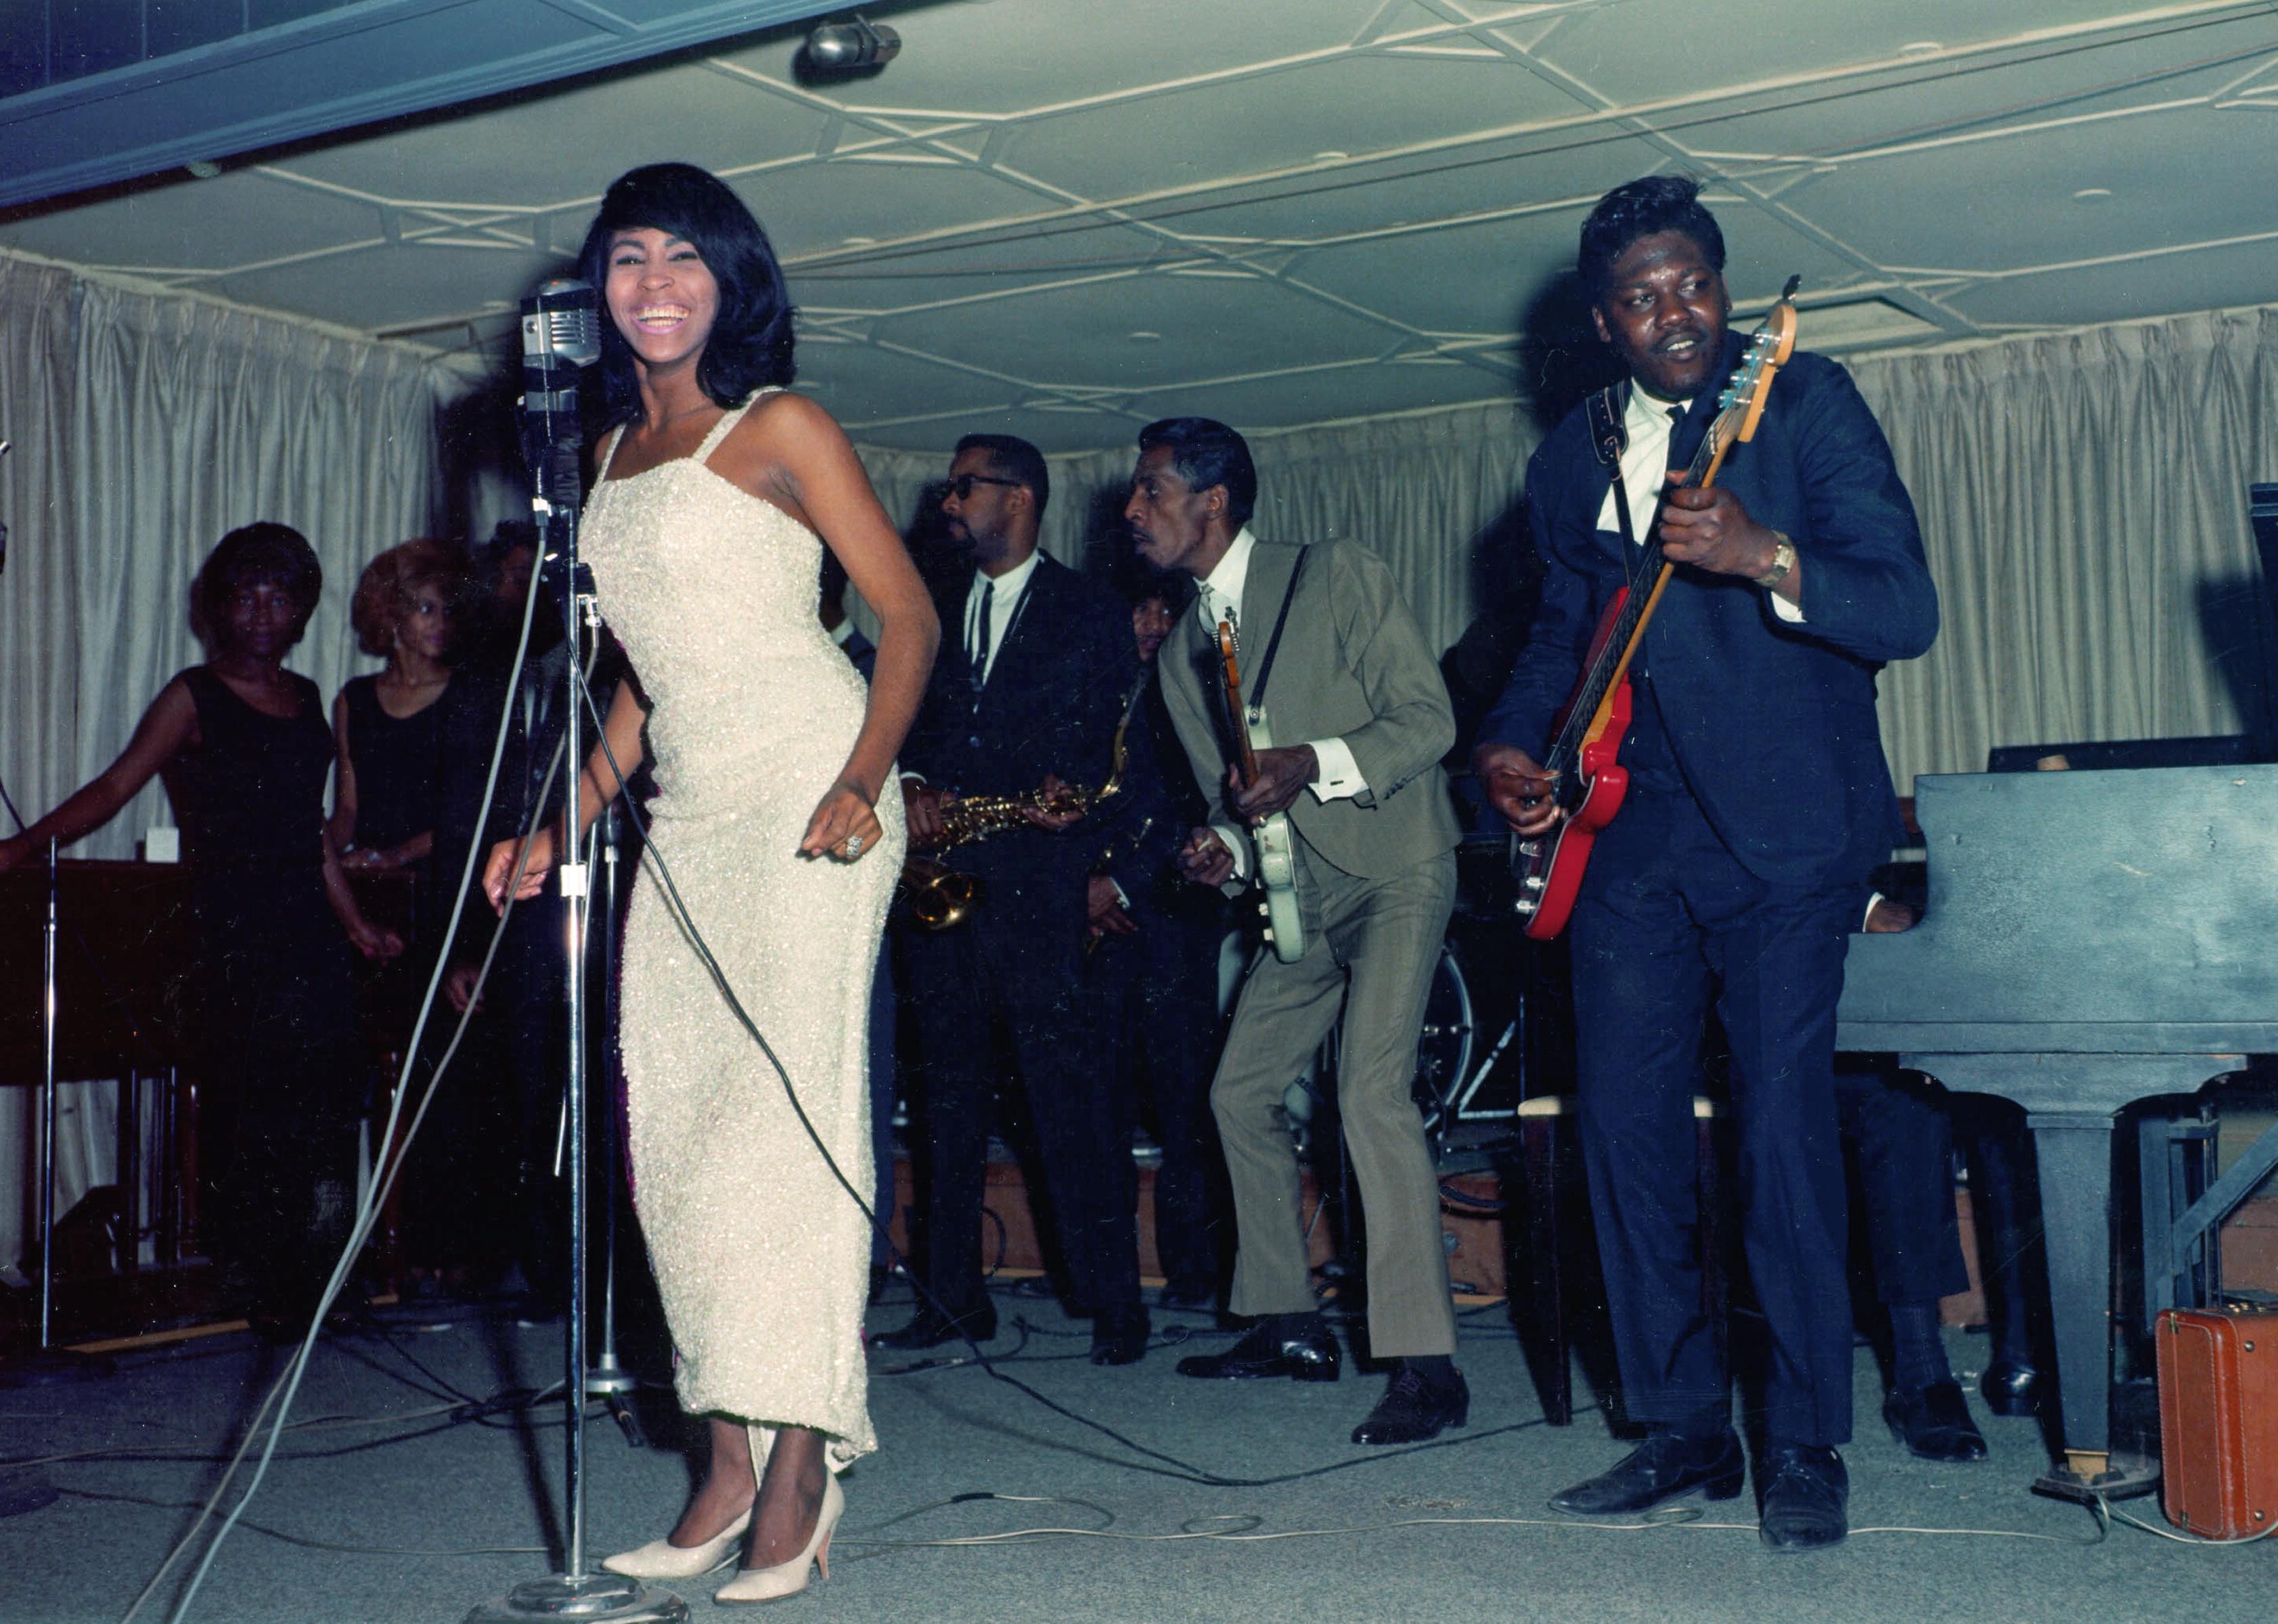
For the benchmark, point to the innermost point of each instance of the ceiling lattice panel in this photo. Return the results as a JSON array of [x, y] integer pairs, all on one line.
[[1064, 219]]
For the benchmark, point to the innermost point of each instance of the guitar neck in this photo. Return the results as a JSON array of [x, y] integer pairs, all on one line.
[[1237, 718], [1629, 628]]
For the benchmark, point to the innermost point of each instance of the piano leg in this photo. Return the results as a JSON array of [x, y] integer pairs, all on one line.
[[2075, 1158], [2078, 1224]]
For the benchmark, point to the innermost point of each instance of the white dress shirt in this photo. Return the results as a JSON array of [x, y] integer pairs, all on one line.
[[1003, 603], [1645, 462], [1338, 775]]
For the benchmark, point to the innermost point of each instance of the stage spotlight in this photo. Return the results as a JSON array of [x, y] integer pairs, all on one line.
[[837, 50]]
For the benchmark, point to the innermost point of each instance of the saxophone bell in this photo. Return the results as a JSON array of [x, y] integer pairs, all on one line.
[[939, 897]]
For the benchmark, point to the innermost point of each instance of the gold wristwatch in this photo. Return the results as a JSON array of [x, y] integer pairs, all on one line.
[[1782, 562]]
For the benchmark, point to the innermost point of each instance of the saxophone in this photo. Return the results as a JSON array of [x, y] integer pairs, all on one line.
[[941, 897]]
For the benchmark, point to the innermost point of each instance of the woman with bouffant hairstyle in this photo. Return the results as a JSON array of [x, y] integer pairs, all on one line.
[[405, 610], [714, 502]]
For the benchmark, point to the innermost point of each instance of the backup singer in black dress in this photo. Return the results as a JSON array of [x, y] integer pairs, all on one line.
[[245, 752]]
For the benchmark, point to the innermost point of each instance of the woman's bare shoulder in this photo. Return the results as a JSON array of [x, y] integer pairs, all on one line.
[[788, 421]]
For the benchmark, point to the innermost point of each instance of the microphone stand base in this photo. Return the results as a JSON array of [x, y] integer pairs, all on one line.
[[590, 1598]]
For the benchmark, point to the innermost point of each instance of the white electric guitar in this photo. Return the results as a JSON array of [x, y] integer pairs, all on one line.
[[1271, 842]]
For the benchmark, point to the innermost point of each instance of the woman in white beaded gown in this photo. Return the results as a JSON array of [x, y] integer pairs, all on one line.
[[711, 502]]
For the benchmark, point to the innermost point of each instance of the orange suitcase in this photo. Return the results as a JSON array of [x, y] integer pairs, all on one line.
[[2219, 1421]]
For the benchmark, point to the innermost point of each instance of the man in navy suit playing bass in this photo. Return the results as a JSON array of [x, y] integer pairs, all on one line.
[[1759, 799]]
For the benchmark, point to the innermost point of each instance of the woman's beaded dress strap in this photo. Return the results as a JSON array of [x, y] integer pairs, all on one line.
[[727, 422]]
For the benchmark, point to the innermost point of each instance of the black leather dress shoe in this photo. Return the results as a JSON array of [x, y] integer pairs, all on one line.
[[2010, 1388], [1119, 1336], [1934, 1423], [1413, 1409], [1664, 1467], [1263, 1352], [1804, 1491], [930, 1328]]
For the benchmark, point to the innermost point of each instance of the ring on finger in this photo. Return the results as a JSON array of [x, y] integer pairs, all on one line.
[[853, 845]]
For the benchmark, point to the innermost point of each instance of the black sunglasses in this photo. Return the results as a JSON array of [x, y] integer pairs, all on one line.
[[961, 487]]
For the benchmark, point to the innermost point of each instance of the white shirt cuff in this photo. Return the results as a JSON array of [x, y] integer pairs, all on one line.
[[1792, 614], [1339, 778]]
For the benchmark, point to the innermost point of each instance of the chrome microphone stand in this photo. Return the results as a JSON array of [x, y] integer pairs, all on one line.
[[608, 1380], [561, 333]]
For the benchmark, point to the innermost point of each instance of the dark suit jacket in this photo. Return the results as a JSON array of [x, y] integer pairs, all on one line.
[[1163, 805], [1773, 724], [1352, 665], [1055, 696]]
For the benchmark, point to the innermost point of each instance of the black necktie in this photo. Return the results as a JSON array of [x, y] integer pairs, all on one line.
[[1676, 421], [978, 655]]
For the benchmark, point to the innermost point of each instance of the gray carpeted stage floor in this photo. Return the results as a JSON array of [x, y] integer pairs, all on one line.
[[1975, 1544]]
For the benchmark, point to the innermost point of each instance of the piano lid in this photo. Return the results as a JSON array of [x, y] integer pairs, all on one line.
[[2125, 912]]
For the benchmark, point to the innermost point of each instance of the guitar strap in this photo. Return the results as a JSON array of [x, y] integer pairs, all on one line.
[[1265, 666], [1608, 438]]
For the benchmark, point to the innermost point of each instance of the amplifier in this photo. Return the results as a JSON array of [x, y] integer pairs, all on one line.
[[2219, 1421]]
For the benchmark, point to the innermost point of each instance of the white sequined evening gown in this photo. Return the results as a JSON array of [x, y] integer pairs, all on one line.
[[762, 1259]]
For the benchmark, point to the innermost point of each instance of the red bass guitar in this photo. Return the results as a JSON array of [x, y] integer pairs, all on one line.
[[1588, 780]]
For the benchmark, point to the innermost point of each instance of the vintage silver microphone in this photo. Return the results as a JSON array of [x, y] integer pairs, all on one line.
[[561, 337]]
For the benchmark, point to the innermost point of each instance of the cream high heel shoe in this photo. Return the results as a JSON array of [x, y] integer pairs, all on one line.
[[660, 1559], [789, 1578]]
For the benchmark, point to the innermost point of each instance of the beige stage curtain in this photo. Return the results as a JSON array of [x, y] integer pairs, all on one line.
[[145, 426], [2083, 502], [2083, 498], [1425, 490]]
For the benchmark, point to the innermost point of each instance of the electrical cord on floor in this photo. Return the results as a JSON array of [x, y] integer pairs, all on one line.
[[429, 1381], [2109, 1511], [306, 1540], [479, 1412], [1249, 1527]]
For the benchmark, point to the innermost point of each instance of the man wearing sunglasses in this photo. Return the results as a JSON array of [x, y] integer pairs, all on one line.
[[1036, 664]]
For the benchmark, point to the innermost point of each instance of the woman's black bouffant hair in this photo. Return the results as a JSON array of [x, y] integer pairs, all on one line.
[[276, 554], [751, 343]]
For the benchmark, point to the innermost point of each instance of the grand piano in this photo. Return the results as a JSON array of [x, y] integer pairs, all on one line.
[[2093, 939]]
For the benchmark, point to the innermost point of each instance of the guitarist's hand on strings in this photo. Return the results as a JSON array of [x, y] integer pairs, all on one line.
[[1516, 787], [1710, 530], [1204, 858], [1283, 775]]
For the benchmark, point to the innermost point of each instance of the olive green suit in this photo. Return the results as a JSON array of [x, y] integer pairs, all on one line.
[[1375, 884]]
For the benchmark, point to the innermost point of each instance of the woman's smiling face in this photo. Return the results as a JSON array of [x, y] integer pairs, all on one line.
[[662, 295]]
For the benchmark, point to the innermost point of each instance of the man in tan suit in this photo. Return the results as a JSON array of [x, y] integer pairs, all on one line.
[[1333, 657]]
